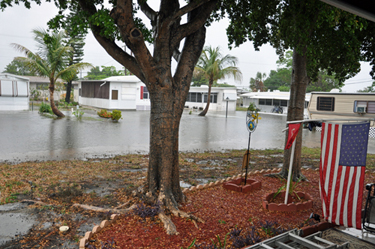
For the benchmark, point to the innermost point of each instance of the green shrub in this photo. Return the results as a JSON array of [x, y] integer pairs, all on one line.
[[45, 108], [104, 114], [116, 115], [78, 114]]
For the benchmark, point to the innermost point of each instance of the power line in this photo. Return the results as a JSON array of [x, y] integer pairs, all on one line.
[[358, 82], [19, 36]]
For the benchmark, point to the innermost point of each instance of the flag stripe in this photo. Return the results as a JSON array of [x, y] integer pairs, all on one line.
[[340, 194], [342, 171], [360, 196], [335, 139]]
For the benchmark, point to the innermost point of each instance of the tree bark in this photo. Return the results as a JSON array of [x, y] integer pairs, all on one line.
[[295, 111], [52, 101], [163, 172], [204, 112], [68, 90]]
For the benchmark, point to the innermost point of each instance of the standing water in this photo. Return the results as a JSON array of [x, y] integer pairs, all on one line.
[[28, 136]]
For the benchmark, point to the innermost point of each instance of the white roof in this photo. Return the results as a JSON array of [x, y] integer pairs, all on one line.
[[127, 78], [12, 76], [272, 95]]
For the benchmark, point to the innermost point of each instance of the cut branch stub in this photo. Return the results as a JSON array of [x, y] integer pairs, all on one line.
[[136, 34]]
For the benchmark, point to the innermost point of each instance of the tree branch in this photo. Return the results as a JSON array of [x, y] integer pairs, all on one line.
[[110, 46], [132, 36], [193, 25], [147, 10], [189, 7]]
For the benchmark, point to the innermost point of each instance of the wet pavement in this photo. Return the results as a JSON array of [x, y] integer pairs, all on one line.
[[29, 136], [15, 221]]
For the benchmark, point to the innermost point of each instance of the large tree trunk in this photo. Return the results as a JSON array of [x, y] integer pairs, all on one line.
[[163, 173], [68, 91], [295, 112], [204, 112], [52, 101]]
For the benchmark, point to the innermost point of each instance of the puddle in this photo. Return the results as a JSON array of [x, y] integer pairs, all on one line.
[[202, 162], [131, 170], [201, 180], [12, 206], [306, 167], [185, 184], [211, 162], [14, 224], [277, 155], [211, 168]]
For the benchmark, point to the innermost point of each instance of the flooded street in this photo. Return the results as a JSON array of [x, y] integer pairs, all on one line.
[[29, 136]]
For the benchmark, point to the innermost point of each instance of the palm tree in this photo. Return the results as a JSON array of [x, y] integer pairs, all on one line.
[[258, 83], [213, 66], [50, 61]]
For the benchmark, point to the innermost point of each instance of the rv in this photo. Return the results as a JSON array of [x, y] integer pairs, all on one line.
[[335, 105]]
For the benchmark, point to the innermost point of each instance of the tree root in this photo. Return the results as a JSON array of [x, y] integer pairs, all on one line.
[[105, 210], [36, 202], [182, 214], [169, 226]]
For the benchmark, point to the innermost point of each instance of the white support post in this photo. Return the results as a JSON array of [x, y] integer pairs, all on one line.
[[290, 171]]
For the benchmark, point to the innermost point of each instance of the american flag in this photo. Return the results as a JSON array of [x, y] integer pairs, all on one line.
[[342, 172]]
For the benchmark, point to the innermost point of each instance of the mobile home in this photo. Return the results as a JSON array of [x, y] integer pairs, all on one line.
[[266, 101], [334, 105], [221, 98], [116, 92], [14, 92]]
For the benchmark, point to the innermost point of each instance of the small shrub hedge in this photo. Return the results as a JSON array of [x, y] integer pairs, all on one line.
[[114, 115], [45, 108], [105, 114]]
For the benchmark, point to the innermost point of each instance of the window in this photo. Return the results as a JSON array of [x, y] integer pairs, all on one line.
[[371, 107], [114, 94], [42, 86], [325, 104], [276, 102], [364, 106], [95, 90], [194, 97], [266, 102], [213, 98], [284, 103], [144, 93]]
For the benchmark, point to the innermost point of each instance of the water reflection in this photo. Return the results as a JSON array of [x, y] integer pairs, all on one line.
[[30, 136]]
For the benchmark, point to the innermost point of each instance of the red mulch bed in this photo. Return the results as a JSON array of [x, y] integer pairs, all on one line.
[[221, 209]]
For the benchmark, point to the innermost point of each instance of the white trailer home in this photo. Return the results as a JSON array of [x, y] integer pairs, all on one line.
[[116, 92], [335, 105], [221, 97], [266, 101], [14, 92]]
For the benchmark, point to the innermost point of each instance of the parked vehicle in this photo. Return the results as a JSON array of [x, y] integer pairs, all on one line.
[[278, 109]]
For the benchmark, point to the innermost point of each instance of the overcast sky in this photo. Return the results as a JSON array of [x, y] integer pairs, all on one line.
[[17, 22]]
